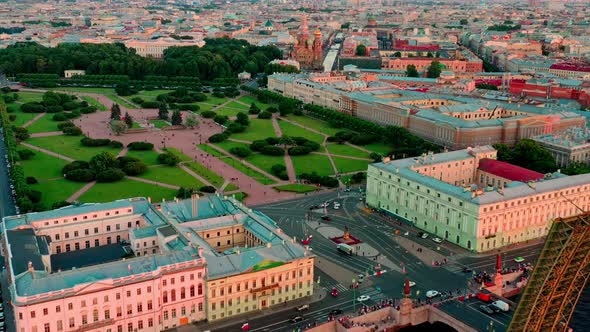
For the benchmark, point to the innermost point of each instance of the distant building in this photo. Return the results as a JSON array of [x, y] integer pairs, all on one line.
[[156, 48], [72, 72], [571, 145], [244, 76], [286, 63], [470, 199], [129, 265], [307, 51]]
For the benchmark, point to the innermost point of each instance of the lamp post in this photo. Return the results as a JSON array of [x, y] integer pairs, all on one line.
[[354, 295]]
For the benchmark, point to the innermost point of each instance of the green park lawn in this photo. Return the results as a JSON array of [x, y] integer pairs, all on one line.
[[28, 97], [250, 99], [43, 124], [210, 150], [148, 157], [160, 123], [238, 165], [149, 95], [93, 102], [229, 111], [241, 196], [204, 106], [171, 175], [297, 188], [345, 165], [69, 146], [100, 91], [120, 101], [214, 100], [56, 190], [179, 154], [290, 129], [106, 192], [22, 118], [42, 166], [227, 145], [346, 150], [215, 179], [257, 130], [264, 162], [231, 187], [318, 125], [312, 163], [235, 104], [379, 147]]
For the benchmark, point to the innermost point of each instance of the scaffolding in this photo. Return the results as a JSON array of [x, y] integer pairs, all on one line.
[[558, 279]]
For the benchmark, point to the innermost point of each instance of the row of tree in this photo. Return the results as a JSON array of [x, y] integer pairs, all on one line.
[[219, 58]]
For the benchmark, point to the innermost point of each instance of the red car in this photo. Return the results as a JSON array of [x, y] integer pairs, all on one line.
[[334, 292]]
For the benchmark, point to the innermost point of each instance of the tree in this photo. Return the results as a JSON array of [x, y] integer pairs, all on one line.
[[242, 119], [21, 133], [434, 69], [240, 151], [411, 71], [163, 112], [191, 120], [576, 168], [254, 109], [286, 141], [123, 89], [102, 162], [463, 21], [376, 157], [504, 153], [529, 154], [168, 159], [128, 120], [115, 112], [118, 127], [361, 50], [251, 67], [176, 118], [397, 54]]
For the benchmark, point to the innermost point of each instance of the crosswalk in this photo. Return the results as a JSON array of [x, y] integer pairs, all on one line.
[[340, 287]]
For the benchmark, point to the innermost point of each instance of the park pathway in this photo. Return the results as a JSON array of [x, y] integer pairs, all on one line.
[[252, 166], [47, 134], [342, 156], [197, 176], [288, 161], [30, 122], [165, 185], [81, 192], [51, 153]]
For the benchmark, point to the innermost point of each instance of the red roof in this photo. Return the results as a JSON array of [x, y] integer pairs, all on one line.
[[583, 67], [508, 171]]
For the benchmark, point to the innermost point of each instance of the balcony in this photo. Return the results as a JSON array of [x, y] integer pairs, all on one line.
[[95, 325]]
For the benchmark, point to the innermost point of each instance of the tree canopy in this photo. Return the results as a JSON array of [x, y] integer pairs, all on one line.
[[361, 50], [411, 71], [434, 69], [528, 154]]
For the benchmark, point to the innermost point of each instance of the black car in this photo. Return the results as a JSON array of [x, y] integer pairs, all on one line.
[[487, 309], [467, 270], [296, 319], [336, 312], [326, 218]]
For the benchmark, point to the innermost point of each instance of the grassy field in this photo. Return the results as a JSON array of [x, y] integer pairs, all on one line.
[[179, 154], [171, 175], [290, 129], [22, 118], [56, 190], [350, 165], [101, 91], [93, 102], [43, 166], [148, 157], [120, 101], [28, 97], [381, 148], [247, 170], [312, 163], [214, 100], [210, 150], [250, 99], [265, 162], [160, 123], [346, 150], [241, 196], [316, 124], [229, 111], [106, 192], [231, 187], [203, 106], [43, 124], [297, 188], [149, 95], [215, 179], [258, 129], [235, 104], [227, 145], [69, 146]]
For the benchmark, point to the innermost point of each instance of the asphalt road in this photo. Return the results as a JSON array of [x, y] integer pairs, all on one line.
[[6, 202], [377, 231]]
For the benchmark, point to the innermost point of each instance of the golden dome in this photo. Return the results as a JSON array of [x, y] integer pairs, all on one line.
[[317, 32]]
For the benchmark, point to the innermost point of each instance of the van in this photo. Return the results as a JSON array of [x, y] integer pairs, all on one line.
[[501, 305]]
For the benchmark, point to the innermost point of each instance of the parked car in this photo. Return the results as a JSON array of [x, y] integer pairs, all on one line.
[[296, 319], [420, 234], [437, 239], [467, 270], [486, 309], [432, 293], [334, 292], [363, 298], [424, 236], [303, 307], [501, 305], [336, 312]]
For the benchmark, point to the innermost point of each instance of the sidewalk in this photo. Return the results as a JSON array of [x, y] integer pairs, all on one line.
[[318, 294]]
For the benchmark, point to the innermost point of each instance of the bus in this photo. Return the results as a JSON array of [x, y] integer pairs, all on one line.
[[345, 248]]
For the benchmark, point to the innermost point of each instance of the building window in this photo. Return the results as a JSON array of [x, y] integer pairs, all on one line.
[[84, 319], [108, 228], [150, 322], [174, 313], [107, 314], [140, 324], [95, 315], [60, 325], [129, 327], [33, 314], [45, 311], [200, 289], [129, 309], [200, 307], [149, 305], [72, 322], [96, 242]]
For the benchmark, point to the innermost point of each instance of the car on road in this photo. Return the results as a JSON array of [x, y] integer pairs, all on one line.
[[303, 307], [360, 278], [437, 239], [314, 207], [336, 312], [519, 259], [326, 218], [432, 293], [487, 309], [296, 319], [363, 298], [412, 283], [424, 236], [245, 327], [334, 292], [467, 270]]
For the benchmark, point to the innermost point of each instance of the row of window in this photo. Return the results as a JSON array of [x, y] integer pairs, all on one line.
[[94, 216], [182, 293], [75, 234], [68, 246], [246, 298], [263, 282]]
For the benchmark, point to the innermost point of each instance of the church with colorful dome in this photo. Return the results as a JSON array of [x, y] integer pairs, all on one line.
[[307, 50]]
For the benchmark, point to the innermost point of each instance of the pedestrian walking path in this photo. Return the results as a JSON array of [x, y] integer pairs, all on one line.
[[51, 153], [47, 134], [81, 191], [287, 158], [165, 185], [196, 176], [30, 122]]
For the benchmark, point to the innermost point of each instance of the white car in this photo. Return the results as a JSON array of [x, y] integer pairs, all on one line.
[[336, 207], [437, 239], [432, 293], [412, 284], [363, 298], [303, 307], [424, 236]]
